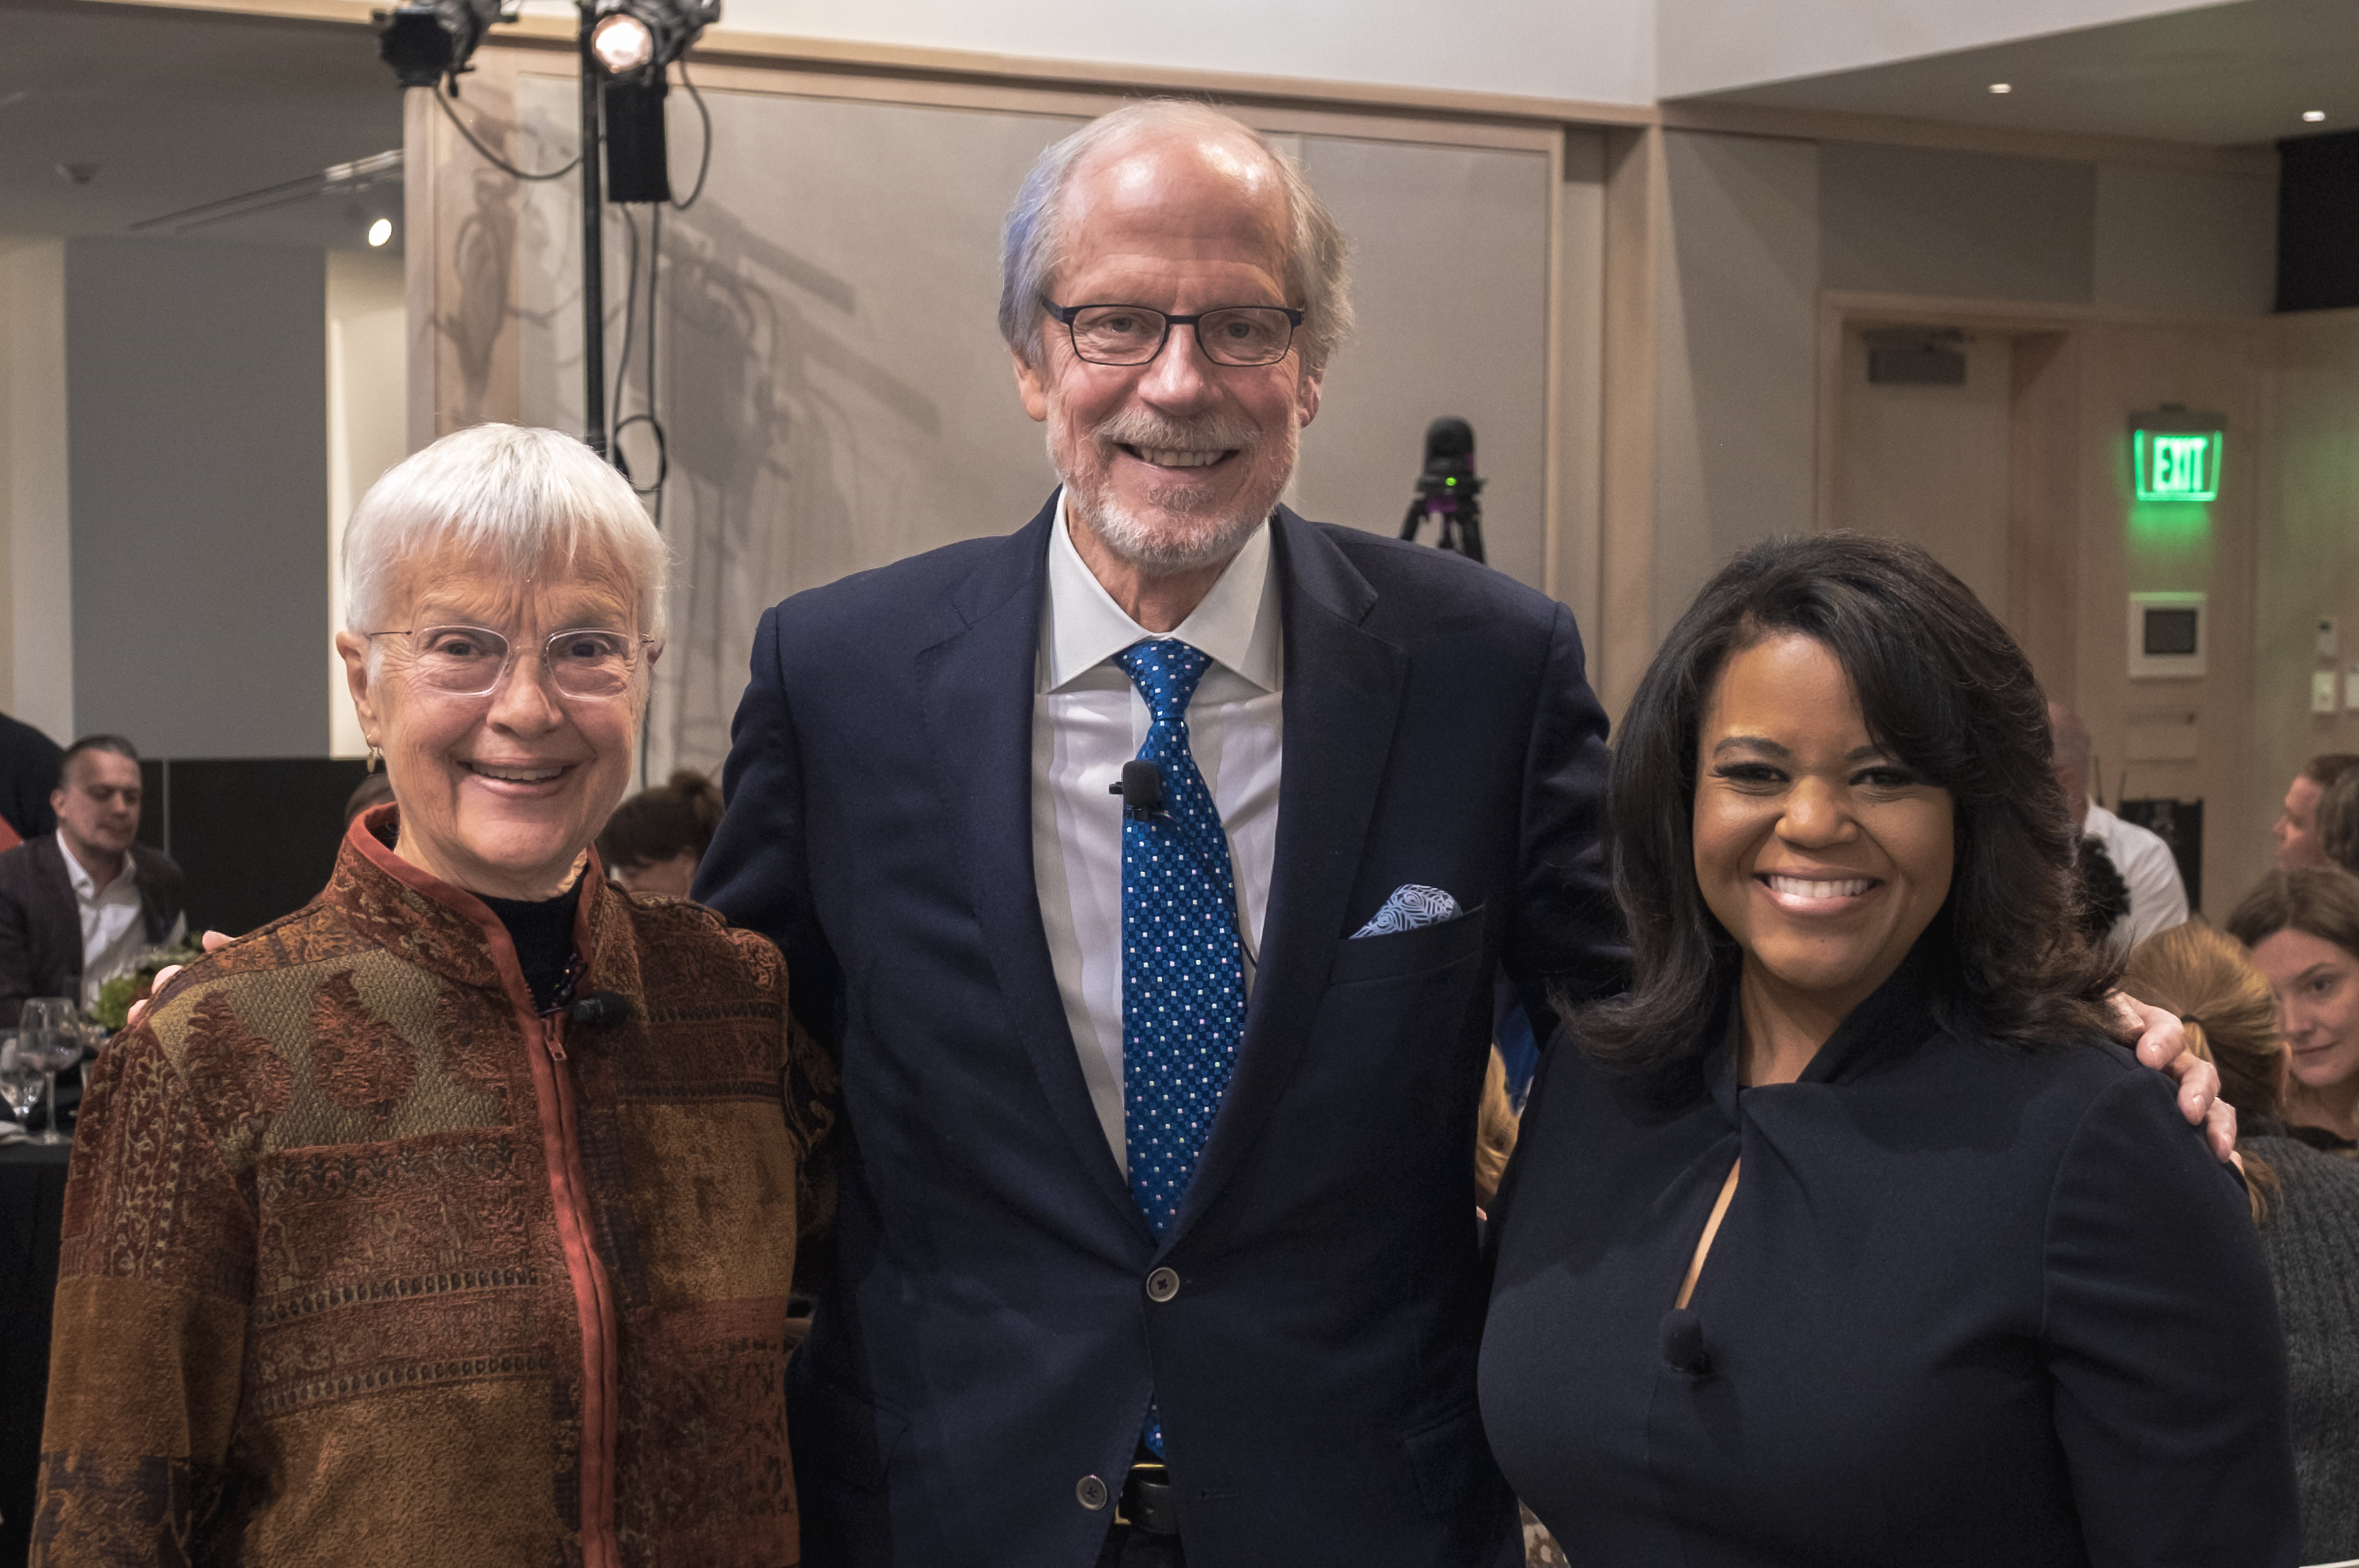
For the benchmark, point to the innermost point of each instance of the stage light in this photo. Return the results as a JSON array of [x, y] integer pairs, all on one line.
[[380, 232], [621, 42], [2313, 115], [642, 36], [427, 41], [2002, 88]]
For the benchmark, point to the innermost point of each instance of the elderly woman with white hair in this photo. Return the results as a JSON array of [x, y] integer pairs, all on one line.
[[452, 1218]]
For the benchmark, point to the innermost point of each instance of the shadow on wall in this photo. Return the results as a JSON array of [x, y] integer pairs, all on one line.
[[754, 434]]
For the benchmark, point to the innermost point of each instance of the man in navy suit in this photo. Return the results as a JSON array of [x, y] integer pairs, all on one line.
[[1156, 1240]]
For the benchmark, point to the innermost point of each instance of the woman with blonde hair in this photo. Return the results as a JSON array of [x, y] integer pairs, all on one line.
[[2307, 1202]]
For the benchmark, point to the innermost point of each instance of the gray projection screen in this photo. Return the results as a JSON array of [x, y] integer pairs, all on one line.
[[837, 396]]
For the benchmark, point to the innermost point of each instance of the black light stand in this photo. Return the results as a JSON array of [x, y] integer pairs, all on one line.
[[593, 257], [1448, 490], [427, 43]]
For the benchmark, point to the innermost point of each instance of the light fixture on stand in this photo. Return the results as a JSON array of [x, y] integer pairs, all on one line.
[[633, 43], [623, 47], [428, 42]]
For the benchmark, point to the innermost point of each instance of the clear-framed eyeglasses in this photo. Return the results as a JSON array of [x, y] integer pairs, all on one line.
[[468, 662], [1241, 335]]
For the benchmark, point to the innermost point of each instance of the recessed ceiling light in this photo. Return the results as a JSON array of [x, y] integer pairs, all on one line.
[[2002, 87], [2313, 115], [380, 231]]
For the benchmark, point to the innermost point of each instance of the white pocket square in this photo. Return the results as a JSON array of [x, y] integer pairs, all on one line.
[[1409, 908]]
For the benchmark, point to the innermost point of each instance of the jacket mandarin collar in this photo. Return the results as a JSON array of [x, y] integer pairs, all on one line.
[[452, 933], [1898, 1017]]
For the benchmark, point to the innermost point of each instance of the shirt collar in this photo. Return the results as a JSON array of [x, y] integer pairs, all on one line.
[[1237, 624], [85, 886]]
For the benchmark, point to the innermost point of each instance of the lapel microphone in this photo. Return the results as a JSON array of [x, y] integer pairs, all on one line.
[[599, 1009], [1141, 791]]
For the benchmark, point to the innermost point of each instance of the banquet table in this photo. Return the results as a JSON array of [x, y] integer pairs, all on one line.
[[32, 1203]]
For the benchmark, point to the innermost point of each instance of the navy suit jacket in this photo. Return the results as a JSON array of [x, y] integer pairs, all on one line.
[[984, 1340]]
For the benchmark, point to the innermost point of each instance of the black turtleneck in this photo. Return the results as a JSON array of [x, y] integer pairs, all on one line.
[[542, 930]]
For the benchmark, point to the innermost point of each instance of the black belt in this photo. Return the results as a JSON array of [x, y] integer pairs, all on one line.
[[1149, 1502]]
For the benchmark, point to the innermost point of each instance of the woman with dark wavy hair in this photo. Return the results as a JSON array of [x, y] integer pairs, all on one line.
[[1847, 1236]]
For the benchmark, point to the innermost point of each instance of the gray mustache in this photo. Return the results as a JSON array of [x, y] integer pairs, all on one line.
[[1138, 428]]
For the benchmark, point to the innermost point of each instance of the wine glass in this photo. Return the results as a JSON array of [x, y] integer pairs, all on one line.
[[49, 1036], [20, 1079]]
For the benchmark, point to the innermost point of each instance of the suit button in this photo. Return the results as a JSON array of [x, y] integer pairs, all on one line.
[[1162, 1285], [1090, 1493]]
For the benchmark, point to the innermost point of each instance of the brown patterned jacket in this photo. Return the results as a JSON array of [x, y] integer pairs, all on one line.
[[364, 1262]]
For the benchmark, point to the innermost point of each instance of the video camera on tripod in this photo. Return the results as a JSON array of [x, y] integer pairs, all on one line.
[[1448, 490]]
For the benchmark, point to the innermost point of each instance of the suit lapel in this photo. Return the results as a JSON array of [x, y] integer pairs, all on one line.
[[978, 686], [65, 909], [1343, 698]]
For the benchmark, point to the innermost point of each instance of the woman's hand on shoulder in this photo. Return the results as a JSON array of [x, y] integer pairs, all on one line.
[[2161, 1043], [214, 942]]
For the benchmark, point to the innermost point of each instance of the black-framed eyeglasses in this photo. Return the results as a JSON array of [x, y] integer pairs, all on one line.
[[468, 662], [1133, 334]]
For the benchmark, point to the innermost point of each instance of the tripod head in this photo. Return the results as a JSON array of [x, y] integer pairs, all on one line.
[[1448, 490]]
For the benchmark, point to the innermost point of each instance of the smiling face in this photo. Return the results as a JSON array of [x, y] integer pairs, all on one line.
[[499, 794], [1822, 854], [1174, 463], [2297, 827], [2317, 987]]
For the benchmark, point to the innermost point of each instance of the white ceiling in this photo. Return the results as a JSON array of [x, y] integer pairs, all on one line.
[[177, 109], [2225, 75]]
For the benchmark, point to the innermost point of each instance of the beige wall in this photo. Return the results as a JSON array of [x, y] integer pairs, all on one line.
[[36, 551], [2308, 543], [2128, 546], [367, 347]]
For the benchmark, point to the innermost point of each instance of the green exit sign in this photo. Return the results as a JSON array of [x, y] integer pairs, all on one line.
[[2175, 455]]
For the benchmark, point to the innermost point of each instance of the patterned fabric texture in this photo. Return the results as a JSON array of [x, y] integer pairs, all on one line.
[[357, 1271], [1409, 908], [1183, 973]]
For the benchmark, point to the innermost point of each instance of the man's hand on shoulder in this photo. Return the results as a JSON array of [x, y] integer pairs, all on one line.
[[2161, 1043], [214, 942]]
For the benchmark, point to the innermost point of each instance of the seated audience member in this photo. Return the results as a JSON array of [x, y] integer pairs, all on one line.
[[2337, 820], [653, 842], [78, 906], [1846, 1236], [2297, 825], [374, 789], [2307, 1204], [2130, 878], [374, 1252], [28, 772], [2303, 929]]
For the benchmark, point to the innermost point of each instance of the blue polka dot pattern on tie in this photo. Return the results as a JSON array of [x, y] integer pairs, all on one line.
[[1183, 976]]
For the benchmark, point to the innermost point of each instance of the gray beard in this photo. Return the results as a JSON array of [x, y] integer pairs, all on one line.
[[1158, 549]]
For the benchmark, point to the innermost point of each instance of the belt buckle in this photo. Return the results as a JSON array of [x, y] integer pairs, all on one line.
[[1147, 1503]]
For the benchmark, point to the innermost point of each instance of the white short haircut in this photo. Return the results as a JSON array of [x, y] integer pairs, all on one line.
[[1031, 240], [524, 497]]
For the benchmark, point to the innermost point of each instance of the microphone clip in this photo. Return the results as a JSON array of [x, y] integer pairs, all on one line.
[[1141, 791]]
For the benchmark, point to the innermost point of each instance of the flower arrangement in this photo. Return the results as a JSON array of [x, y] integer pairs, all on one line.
[[113, 1008]]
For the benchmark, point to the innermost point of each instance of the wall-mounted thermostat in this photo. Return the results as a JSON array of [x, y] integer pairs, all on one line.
[[2166, 636]]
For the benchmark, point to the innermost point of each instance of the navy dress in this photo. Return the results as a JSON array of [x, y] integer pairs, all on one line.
[[1969, 1305]]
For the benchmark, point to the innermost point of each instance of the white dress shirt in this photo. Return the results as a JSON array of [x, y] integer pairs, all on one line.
[[2158, 901], [1088, 718], [112, 935]]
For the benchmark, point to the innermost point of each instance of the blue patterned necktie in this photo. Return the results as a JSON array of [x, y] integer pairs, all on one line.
[[1183, 977]]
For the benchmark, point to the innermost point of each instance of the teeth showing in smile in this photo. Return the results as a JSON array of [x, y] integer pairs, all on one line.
[[517, 775], [1172, 457], [1796, 888]]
